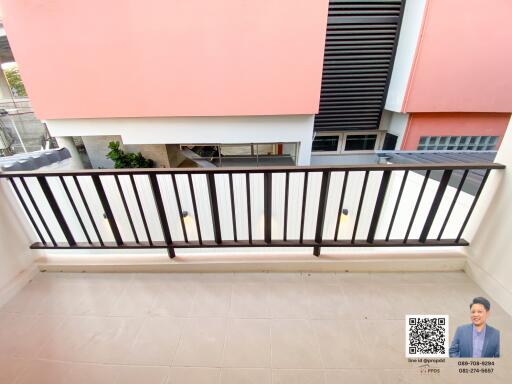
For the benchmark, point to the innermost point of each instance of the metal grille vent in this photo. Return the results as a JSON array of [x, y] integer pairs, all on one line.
[[359, 51]]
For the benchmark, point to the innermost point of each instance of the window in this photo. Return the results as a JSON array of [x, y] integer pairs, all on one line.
[[360, 142], [458, 143], [325, 143]]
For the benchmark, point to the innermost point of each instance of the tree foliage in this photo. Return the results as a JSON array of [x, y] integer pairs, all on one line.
[[124, 159], [15, 83]]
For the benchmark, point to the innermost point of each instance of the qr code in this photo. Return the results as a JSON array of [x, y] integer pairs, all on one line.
[[426, 336]]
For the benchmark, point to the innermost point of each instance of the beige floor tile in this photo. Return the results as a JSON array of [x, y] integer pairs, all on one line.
[[201, 343], [353, 277], [326, 301], [212, 299], [341, 343], [156, 341], [297, 376], [352, 376], [245, 376], [218, 278], [11, 368], [99, 296], [287, 300], [249, 300], [384, 343], [247, 343], [174, 299], [141, 375], [92, 339], [319, 277], [52, 372], [186, 375], [294, 344], [388, 277], [251, 277], [365, 302], [284, 277], [24, 335], [138, 298]]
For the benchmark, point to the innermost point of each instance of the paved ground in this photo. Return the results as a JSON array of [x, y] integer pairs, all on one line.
[[232, 328]]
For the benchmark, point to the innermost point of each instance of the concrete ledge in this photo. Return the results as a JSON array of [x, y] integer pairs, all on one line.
[[452, 259]]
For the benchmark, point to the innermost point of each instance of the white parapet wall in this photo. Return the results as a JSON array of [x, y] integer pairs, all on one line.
[[489, 256], [197, 130]]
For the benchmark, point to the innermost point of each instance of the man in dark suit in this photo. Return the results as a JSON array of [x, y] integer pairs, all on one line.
[[478, 339]]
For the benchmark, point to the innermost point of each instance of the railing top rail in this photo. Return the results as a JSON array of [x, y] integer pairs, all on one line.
[[280, 169]]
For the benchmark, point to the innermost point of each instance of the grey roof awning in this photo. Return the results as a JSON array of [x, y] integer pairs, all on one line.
[[33, 160]]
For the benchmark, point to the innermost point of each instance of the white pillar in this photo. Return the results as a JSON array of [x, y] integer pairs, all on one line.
[[304, 151], [68, 143]]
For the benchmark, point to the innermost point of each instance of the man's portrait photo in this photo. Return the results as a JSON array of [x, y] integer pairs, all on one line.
[[477, 339]]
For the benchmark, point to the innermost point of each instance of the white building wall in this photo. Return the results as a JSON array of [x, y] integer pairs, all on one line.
[[397, 126], [197, 130], [406, 50], [489, 256], [16, 259]]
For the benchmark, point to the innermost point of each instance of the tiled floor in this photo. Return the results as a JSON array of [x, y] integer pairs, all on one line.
[[232, 328]]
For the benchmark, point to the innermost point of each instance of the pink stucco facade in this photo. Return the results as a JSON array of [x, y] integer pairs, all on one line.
[[453, 124], [463, 58], [135, 58]]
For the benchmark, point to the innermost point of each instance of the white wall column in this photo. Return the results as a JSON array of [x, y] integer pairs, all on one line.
[[489, 261], [68, 143]]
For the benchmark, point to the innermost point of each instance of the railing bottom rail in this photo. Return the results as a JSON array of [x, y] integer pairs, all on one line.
[[255, 243]]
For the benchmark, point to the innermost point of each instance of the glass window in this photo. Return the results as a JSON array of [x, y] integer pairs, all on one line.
[[360, 142], [461, 143], [325, 143]]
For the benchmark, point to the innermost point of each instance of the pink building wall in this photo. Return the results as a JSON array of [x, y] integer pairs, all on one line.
[[463, 58], [453, 124], [119, 58]]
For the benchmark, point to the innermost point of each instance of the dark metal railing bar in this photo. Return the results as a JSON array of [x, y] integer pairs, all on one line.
[[303, 210], [384, 182], [162, 217], [106, 208], [398, 198], [452, 205], [360, 205], [27, 211], [214, 207], [180, 210], [126, 209], [232, 198], [88, 210], [36, 208], [475, 200], [416, 206], [267, 203], [340, 208], [141, 210], [286, 192], [248, 192], [54, 206], [443, 184], [322, 205], [194, 206], [73, 205]]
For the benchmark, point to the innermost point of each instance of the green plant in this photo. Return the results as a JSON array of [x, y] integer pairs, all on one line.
[[15, 82], [124, 159]]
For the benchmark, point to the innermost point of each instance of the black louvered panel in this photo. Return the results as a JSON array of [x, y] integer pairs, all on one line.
[[359, 52]]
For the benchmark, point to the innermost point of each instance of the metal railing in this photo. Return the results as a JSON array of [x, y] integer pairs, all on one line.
[[66, 207]]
